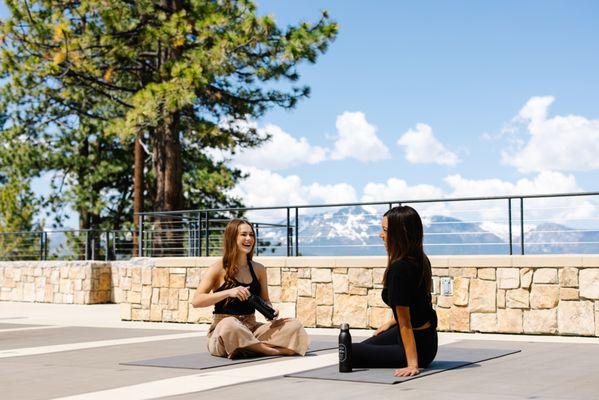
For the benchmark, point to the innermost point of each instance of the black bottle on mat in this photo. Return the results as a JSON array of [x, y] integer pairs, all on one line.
[[345, 349]]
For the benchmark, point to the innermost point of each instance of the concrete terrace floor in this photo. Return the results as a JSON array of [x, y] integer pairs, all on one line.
[[52, 351]]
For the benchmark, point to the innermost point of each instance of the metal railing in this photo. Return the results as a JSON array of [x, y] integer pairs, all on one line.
[[66, 244], [532, 224]]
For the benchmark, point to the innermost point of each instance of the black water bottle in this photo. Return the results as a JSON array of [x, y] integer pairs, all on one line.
[[345, 349], [262, 307]]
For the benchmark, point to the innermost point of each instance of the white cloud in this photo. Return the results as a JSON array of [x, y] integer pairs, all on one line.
[[331, 194], [267, 188], [264, 188], [280, 152], [358, 139], [544, 182], [560, 143], [537, 210], [398, 189], [421, 147]]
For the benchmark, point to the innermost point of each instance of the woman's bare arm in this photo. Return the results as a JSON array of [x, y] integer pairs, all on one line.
[[385, 326], [407, 337], [203, 297]]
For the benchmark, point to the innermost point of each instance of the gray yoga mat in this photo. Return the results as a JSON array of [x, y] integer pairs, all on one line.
[[204, 360], [448, 357]]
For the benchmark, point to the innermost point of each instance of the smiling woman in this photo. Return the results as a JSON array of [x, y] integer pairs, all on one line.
[[228, 285]]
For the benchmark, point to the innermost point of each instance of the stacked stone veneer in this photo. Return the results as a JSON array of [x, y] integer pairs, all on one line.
[[320, 291], [517, 294], [528, 294], [63, 282], [554, 294]]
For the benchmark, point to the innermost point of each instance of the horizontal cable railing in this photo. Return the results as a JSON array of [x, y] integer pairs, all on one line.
[[67, 244], [535, 224]]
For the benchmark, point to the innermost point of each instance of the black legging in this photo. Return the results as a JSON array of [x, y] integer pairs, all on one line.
[[386, 350]]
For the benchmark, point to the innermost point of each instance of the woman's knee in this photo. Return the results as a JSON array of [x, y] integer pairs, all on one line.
[[229, 322], [295, 323]]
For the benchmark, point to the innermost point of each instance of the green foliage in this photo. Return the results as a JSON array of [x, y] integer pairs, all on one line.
[[17, 209], [80, 79]]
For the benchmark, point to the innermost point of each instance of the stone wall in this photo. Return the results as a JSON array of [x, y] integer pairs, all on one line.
[[78, 282], [557, 295]]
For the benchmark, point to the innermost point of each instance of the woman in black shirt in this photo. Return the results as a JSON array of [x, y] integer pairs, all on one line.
[[408, 341]]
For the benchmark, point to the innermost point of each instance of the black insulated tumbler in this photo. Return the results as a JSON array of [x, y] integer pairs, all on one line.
[[262, 307], [345, 349]]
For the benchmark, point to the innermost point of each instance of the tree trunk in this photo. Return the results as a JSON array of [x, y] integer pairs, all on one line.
[[138, 190], [81, 244], [167, 238]]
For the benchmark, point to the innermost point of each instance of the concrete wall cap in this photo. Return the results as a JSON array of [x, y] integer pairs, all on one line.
[[553, 260], [590, 261], [479, 261], [361, 262]]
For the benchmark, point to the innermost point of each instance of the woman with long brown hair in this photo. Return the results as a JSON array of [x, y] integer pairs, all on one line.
[[408, 341], [228, 284]]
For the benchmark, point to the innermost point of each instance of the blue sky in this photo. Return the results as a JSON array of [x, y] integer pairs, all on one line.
[[484, 98], [464, 71]]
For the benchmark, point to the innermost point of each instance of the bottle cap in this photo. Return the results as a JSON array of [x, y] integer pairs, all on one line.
[[345, 326]]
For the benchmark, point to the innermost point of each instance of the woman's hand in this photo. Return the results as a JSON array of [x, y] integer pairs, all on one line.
[[239, 292], [384, 327], [381, 329], [407, 371]]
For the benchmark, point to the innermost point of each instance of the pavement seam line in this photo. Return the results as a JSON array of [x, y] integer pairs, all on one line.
[[30, 351], [32, 328]]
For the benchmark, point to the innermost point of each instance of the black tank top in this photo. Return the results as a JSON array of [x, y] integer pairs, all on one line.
[[233, 305]]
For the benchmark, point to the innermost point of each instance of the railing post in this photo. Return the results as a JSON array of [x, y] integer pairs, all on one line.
[[288, 227], [257, 229], [522, 225], [296, 232], [207, 233], [198, 249], [140, 235], [45, 245], [86, 238], [43, 240], [93, 246], [190, 231], [107, 246], [114, 244], [509, 211]]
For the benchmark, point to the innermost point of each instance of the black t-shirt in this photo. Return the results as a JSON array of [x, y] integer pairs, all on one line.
[[403, 289]]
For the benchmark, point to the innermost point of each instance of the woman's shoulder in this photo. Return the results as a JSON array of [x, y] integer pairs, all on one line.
[[403, 264], [258, 267], [216, 267], [403, 267]]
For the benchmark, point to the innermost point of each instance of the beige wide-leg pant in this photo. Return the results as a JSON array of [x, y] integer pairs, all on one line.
[[229, 333]]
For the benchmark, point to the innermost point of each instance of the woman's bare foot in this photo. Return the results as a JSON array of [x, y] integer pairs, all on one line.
[[285, 352], [266, 350]]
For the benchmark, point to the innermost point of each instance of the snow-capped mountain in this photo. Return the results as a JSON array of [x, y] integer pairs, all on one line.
[[355, 231]]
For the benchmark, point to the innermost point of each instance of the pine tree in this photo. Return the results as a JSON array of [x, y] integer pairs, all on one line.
[[174, 74]]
